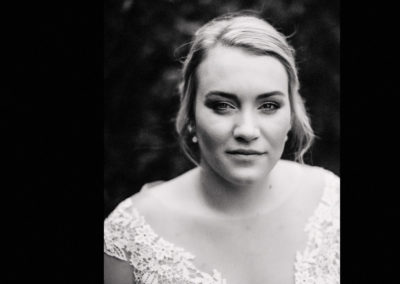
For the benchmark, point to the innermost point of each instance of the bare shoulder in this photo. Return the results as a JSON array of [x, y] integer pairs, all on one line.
[[302, 171], [117, 271], [309, 180], [174, 193]]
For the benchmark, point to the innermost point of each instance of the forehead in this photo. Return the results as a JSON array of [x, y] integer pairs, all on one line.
[[235, 70]]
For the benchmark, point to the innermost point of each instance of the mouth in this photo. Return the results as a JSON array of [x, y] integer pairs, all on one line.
[[246, 152]]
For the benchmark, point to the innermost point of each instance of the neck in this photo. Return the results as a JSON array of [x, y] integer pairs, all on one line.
[[235, 200]]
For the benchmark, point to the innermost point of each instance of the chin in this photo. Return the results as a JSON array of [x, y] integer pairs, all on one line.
[[238, 175], [245, 177]]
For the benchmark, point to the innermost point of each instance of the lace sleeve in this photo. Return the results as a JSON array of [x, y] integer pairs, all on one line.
[[118, 231], [128, 237], [319, 263]]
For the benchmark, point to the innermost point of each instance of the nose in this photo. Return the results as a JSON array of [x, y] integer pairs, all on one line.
[[246, 128]]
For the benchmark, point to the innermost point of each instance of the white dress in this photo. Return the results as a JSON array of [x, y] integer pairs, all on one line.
[[128, 237]]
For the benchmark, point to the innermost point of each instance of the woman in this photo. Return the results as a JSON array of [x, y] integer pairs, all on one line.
[[243, 215]]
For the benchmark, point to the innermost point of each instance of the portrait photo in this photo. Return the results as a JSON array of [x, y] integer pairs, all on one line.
[[221, 142]]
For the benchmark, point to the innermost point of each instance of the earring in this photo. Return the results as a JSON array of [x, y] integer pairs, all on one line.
[[194, 139]]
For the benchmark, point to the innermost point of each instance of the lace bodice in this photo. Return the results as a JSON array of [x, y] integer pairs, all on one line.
[[128, 237]]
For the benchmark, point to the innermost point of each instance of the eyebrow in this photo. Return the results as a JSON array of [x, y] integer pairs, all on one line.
[[235, 97]]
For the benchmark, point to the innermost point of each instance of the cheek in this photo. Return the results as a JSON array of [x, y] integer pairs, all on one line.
[[212, 131], [276, 131]]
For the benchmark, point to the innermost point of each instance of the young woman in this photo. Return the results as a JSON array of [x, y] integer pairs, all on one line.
[[243, 215]]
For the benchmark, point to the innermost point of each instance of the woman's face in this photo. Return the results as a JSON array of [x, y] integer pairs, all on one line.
[[242, 114]]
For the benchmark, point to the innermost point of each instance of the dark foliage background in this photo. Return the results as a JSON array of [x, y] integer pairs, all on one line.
[[144, 42]]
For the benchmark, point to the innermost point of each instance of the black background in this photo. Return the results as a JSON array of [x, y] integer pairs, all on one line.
[[52, 90]]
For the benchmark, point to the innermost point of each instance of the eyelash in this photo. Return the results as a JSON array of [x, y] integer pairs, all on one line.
[[224, 107], [275, 106]]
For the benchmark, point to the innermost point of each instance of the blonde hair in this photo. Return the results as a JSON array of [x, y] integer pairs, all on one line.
[[247, 31]]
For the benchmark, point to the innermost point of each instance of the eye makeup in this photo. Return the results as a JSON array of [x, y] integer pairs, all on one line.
[[269, 106], [220, 106], [223, 103]]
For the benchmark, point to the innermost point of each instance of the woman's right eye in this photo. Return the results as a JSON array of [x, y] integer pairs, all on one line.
[[223, 107]]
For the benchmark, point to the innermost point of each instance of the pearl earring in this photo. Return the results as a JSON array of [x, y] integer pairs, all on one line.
[[194, 139]]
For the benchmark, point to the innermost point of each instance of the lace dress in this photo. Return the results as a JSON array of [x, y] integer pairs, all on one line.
[[154, 260]]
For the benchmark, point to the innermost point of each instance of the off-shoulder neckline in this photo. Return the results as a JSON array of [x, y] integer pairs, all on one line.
[[216, 274]]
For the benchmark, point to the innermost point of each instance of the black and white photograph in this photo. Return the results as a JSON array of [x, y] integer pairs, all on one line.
[[221, 142]]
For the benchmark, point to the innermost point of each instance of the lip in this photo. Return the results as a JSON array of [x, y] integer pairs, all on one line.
[[245, 152]]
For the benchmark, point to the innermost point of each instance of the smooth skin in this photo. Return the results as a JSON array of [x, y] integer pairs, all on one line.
[[256, 114], [242, 103]]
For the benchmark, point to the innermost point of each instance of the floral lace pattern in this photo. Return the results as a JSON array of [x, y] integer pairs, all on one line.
[[128, 237], [320, 261]]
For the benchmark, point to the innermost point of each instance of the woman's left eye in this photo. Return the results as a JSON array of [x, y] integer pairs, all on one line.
[[269, 106]]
